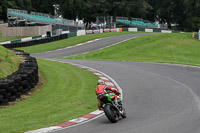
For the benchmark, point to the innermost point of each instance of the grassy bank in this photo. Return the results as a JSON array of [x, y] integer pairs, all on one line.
[[169, 48], [69, 42], [67, 94], [9, 62]]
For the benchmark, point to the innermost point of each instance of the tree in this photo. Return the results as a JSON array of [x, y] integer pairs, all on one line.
[[4, 4], [192, 15], [184, 13]]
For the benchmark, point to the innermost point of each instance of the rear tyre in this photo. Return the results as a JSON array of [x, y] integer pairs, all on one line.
[[111, 113]]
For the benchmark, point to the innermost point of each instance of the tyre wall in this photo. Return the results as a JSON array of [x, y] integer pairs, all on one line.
[[21, 81], [36, 42]]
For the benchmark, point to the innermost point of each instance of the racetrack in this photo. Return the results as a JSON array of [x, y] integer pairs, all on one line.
[[88, 47], [159, 98]]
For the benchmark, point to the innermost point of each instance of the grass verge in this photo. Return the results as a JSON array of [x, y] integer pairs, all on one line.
[[68, 93], [9, 62], [69, 42], [169, 48]]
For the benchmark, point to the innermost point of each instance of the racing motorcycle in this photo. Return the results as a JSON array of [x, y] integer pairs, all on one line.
[[112, 109]]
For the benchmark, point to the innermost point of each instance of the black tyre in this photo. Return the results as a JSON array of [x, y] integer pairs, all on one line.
[[24, 76], [4, 102], [18, 95], [10, 82], [3, 85], [24, 91], [14, 93], [32, 85], [20, 89], [17, 79], [16, 85], [3, 91], [111, 113], [24, 83], [8, 95], [13, 98], [10, 89], [21, 71], [6, 82]]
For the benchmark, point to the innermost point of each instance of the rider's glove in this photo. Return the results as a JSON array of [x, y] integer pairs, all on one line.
[[118, 93]]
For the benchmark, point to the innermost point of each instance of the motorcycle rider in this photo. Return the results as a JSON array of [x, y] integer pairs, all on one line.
[[103, 89]]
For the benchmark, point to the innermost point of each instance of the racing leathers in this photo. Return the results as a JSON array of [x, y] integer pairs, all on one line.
[[101, 90]]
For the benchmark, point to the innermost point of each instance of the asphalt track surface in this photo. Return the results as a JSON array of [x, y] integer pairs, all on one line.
[[104, 42], [159, 98]]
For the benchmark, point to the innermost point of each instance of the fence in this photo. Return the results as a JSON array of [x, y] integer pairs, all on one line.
[[2, 26], [197, 36]]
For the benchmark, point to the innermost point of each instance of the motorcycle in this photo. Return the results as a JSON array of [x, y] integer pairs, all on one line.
[[112, 109]]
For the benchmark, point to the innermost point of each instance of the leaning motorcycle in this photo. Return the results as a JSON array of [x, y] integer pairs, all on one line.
[[111, 107]]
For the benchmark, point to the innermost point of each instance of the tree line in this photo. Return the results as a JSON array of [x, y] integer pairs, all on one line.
[[184, 13]]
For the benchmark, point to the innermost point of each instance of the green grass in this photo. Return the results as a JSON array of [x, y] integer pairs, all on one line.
[[9, 62], [69, 91], [170, 48], [4, 39], [67, 94], [69, 42]]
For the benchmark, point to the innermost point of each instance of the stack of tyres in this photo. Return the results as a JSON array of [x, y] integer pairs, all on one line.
[[3, 92], [8, 90], [36, 41], [21, 81]]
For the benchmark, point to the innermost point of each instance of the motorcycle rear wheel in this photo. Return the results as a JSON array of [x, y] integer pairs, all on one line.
[[111, 113]]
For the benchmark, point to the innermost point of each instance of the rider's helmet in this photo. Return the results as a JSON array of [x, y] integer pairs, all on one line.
[[100, 82]]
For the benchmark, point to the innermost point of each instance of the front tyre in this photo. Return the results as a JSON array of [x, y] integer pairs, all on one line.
[[111, 113]]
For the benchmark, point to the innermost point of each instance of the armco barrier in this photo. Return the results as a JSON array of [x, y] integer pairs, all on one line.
[[156, 30], [89, 32], [72, 33], [124, 29], [21, 81], [113, 30], [96, 31], [141, 29], [197, 36], [35, 42], [106, 30]]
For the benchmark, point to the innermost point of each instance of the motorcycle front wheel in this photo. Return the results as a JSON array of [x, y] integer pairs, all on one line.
[[111, 113]]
